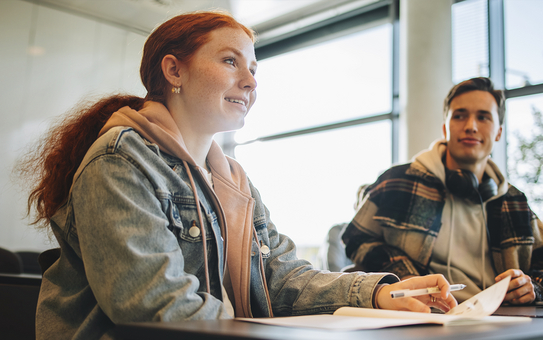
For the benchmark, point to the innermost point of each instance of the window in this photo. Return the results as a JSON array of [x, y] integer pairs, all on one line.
[[523, 47], [525, 147], [507, 33], [309, 182], [321, 127], [469, 39], [523, 80], [335, 81]]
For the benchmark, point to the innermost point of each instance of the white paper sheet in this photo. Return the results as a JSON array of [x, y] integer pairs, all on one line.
[[474, 310], [334, 322]]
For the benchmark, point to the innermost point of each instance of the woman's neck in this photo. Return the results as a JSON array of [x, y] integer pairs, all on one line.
[[198, 147], [197, 143]]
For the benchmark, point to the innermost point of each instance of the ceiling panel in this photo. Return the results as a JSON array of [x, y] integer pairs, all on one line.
[[144, 15]]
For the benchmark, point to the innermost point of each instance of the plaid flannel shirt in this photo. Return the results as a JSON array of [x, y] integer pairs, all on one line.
[[397, 225]]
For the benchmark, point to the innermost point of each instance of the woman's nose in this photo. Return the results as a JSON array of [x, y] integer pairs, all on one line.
[[248, 80]]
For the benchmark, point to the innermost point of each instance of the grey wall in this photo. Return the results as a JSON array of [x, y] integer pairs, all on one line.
[[49, 60], [425, 72]]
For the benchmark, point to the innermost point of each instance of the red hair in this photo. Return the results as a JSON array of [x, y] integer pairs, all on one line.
[[49, 170], [181, 37]]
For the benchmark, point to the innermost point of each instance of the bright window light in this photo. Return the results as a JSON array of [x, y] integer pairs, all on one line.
[[523, 47], [309, 182]]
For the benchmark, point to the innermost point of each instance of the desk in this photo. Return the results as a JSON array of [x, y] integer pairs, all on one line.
[[530, 311], [232, 329]]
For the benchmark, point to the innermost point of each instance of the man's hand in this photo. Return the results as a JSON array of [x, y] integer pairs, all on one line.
[[407, 277], [444, 300], [520, 290]]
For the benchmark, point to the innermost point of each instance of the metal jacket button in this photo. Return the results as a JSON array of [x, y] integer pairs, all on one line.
[[194, 231], [264, 249]]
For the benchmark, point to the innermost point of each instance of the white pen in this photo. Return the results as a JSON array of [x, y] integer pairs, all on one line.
[[417, 292]]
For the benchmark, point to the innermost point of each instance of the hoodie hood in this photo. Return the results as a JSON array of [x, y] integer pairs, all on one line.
[[231, 194], [431, 159]]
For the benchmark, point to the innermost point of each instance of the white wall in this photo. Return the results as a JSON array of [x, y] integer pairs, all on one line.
[[49, 60], [425, 72]]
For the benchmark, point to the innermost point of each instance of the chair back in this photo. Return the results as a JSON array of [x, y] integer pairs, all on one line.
[[10, 263], [19, 297], [18, 302], [47, 258], [30, 261]]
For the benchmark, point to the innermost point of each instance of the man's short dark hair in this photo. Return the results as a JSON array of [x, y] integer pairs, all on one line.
[[476, 84]]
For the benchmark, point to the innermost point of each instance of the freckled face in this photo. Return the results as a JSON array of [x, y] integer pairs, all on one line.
[[471, 128], [218, 84]]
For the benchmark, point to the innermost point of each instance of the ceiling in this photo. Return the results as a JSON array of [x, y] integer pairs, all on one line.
[[262, 15]]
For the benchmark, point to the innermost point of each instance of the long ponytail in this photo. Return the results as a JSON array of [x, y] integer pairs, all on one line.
[[49, 168]]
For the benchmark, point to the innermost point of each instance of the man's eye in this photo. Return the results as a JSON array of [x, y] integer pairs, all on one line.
[[230, 61]]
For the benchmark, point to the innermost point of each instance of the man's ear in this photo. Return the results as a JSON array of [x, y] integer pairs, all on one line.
[[444, 131], [171, 68], [499, 134]]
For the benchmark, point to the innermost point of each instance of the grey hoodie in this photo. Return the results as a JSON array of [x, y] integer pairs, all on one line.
[[461, 252]]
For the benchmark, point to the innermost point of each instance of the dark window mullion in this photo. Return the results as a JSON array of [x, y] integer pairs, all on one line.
[[395, 121], [496, 43]]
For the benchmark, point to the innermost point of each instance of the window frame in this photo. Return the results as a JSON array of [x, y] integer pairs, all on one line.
[[335, 27], [497, 70]]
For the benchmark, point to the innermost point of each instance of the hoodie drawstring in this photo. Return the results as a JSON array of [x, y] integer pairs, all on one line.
[[484, 237], [255, 235], [450, 242], [202, 229]]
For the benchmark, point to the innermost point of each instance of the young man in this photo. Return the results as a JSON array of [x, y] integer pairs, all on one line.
[[451, 211]]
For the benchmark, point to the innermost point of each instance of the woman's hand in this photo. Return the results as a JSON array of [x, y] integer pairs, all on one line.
[[521, 288], [444, 300]]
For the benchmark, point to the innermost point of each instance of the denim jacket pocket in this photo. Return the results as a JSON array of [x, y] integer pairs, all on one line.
[[186, 226]]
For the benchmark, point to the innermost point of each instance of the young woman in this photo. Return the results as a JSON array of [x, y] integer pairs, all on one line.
[[155, 223]]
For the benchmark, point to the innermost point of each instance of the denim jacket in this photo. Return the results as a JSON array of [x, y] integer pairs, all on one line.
[[128, 253]]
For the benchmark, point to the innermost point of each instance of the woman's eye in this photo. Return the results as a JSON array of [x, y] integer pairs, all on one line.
[[230, 61]]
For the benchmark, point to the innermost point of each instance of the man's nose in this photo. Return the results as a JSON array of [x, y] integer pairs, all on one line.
[[471, 124]]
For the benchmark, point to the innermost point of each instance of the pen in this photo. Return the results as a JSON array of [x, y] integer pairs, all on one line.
[[417, 292]]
